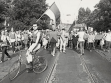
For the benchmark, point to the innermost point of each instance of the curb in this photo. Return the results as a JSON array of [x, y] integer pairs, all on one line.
[[47, 79]]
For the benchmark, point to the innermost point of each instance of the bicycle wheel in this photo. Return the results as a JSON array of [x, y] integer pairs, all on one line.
[[39, 64], [14, 70]]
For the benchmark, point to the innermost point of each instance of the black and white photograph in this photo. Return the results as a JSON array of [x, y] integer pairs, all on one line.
[[55, 41]]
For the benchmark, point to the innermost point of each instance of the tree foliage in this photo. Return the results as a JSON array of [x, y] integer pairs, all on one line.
[[83, 16], [3, 10], [100, 18], [28, 11], [104, 14], [23, 13]]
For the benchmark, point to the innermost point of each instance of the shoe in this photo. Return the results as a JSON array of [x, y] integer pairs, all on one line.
[[27, 70], [9, 58], [1, 61], [64, 52], [52, 54]]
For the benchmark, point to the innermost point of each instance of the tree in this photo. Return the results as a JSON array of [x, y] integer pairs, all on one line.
[[87, 17], [83, 16], [26, 12], [102, 16], [3, 13]]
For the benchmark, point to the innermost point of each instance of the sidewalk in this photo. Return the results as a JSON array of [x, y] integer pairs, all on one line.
[[70, 69], [106, 55]]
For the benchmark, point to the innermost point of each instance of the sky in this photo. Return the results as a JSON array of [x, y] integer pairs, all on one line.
[[69, 8]]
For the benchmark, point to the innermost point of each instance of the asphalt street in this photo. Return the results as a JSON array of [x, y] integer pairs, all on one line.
[[98, 66], [88, 68], [69, 69]]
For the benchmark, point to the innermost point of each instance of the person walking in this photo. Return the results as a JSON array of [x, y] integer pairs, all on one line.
[[4, 46], [12, 39], [70, 40], [63, 41], [53, 41], [81, 40], [108, 40], [18, 40], [90, 41], [74, 40]]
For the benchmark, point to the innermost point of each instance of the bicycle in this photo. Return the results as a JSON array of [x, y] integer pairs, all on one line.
[[39, 65]]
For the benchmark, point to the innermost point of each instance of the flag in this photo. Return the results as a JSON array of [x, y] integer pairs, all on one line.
[[51, 16], [55, 10], [53, 13]]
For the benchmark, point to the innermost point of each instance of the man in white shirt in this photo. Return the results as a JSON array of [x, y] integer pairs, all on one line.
[[81, 40], [63, 41], [4, 46]]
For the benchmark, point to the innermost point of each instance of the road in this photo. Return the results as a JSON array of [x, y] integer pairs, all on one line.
[[69, 68], [98, 67], [88, 68], [25, 77]]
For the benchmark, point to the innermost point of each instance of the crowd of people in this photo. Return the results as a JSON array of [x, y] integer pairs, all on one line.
[[17, 40], [32, 40], [28, 39], [84, 39]]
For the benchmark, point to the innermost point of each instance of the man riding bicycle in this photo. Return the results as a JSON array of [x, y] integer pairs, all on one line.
[[34, 47]]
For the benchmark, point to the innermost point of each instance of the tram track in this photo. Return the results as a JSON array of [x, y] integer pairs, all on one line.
[[52, 69], [92, 77], [97, 67]]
